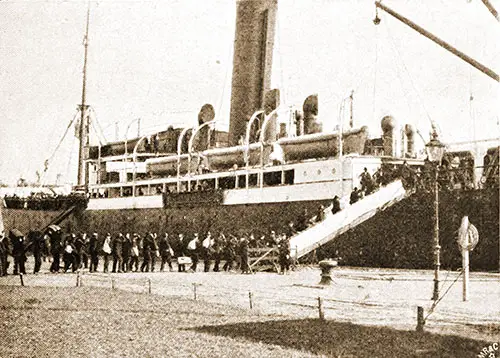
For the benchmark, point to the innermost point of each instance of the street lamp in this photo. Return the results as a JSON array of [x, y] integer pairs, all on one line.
[[435, 151]]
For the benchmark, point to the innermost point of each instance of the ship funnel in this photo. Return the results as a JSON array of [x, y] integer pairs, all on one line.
[[252, 62]]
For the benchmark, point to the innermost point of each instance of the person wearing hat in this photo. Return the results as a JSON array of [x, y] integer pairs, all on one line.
[[180, 249], [126, 251], [4, 250], [106, 249], [55, 240], [68, 255], [193, 247], [18, 251], [94, 252], [134, 253], [117, 248], [166, 252], [147, 246]]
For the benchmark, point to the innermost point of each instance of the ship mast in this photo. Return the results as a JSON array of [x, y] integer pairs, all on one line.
[[83, 128]]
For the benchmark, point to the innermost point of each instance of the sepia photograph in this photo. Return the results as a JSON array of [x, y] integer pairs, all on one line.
[[250, 178]]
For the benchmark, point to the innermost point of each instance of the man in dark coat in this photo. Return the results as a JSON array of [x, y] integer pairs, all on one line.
[[78, 253], [4, 251], [126, 251], [217, 249], [18, 251], [68, 255], [154, 251], [147, 244], [94, 252], [245, 268], [117, 247], [165, 252], [206, 249], [229, 254], [55, 249], [336, 205], [180, 248], [37, 244]]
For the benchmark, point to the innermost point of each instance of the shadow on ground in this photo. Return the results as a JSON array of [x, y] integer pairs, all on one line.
[[337, 339]]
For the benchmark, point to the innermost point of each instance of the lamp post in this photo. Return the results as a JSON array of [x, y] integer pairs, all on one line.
[[435, 151]]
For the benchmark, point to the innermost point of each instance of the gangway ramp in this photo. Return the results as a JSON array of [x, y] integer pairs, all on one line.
[[334, 225]]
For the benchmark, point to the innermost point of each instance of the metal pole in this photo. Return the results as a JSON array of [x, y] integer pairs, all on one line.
[[437, 248], [250, 299], [440, 42], [320, 309], [420, 319], [465, 271]]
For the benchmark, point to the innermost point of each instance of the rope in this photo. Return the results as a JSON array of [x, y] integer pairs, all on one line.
[[411, 79], [62, 139], [375, 70], [434, 305]]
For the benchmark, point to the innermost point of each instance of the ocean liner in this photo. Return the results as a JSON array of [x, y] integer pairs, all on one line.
[[273, 166]]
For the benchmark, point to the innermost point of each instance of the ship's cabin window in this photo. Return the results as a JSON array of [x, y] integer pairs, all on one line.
[[227, 182], [252, 180], [272, 178], [112, 177], [289, 177]]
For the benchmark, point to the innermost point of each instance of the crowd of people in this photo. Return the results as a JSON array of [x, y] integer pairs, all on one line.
[[131, 252]]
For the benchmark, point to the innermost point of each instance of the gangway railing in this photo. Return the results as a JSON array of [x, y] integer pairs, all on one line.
[[336, 224]]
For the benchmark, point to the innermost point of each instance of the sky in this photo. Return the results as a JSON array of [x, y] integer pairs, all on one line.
[[160, 61]]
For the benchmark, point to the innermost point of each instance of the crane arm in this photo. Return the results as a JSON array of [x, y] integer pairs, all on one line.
[[440, 42], [491, 8]]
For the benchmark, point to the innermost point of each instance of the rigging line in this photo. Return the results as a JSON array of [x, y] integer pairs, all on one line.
[[62, 139], [221, 101], [411, 79], [400, 64], [98, 124], [375, 70], [278, 47], [70, 157]]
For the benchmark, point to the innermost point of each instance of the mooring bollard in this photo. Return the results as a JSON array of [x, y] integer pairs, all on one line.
[[326, 271], [21, 277], [320, 309], [250, 299], [420, 319], [149, 285]]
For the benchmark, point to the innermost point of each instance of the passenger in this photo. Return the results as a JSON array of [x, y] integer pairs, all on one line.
[[217, 249], [366, 182], [180, 252], [56, 249], [4, 251], [37, 246], [206, 248], [155, 253], [245, 268], [321, 214], [193, 248], [18, 243], [302, 221], [68, 256], [126, 252], [147, 245], [78, 252], [134, 254], [284, 255], [229, 254], [85, 251], [355, 196], [94, 252], [166, 252], [336, 205], [106, 249], [117, 247]]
